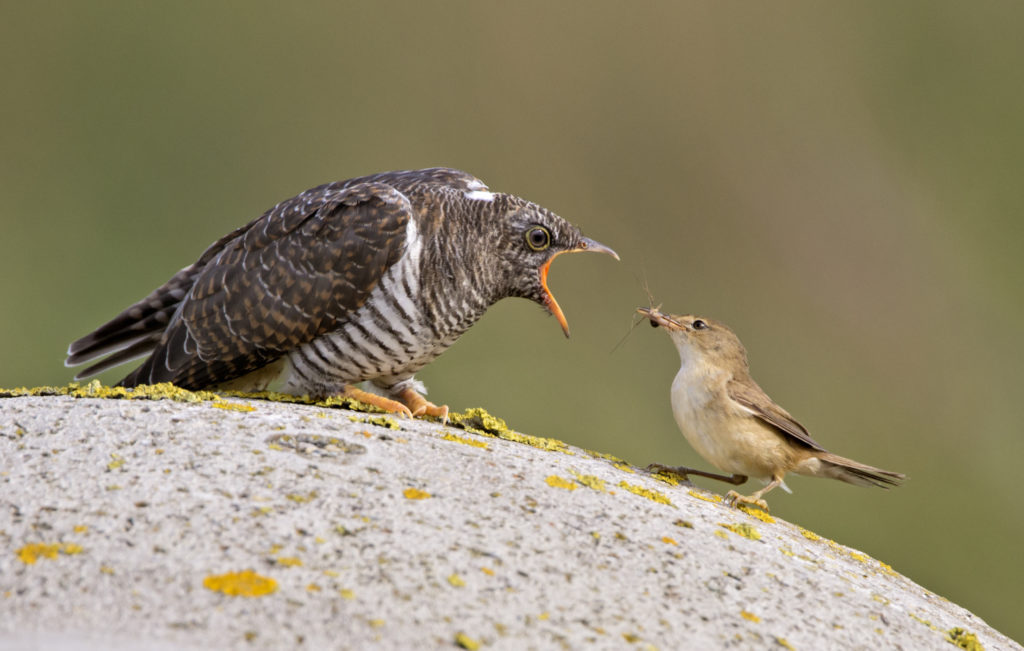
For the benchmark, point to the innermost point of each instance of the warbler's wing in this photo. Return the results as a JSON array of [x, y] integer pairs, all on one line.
[[753, 398]]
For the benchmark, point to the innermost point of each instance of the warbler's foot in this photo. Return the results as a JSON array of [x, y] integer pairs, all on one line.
[[684, 472], [734, 499]]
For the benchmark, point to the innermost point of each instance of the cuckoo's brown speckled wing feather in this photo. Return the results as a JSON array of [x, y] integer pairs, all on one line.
[[755, 400], [278, 283]]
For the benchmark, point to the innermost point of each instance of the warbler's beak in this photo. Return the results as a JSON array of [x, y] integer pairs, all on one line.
[[586, 244], [657, 318]]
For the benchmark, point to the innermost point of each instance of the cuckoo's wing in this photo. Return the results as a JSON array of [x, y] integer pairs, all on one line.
[[291, 275], [756, 401]]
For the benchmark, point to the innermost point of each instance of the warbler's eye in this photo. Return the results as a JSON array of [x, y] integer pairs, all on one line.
[[699, 325], [538, 238]]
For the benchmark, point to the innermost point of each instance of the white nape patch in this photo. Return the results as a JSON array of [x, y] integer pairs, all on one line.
[[480, 195]]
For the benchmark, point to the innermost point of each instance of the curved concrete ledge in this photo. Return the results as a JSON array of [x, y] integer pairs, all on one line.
[[130, 524]]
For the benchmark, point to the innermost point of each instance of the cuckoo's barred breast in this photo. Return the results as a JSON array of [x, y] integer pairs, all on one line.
[[365, 279]]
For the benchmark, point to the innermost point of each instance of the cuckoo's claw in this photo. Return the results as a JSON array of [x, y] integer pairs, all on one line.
[[421, 406], [388, 405]]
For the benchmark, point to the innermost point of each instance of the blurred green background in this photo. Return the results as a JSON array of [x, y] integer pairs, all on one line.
[[840, 182]]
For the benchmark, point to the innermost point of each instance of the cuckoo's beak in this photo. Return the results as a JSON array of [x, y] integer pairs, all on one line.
[[586, 244]]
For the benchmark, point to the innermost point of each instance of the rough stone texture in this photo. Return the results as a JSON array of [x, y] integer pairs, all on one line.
[[509, 545]]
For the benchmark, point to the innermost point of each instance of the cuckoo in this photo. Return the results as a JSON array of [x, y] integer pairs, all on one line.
[[363, 280]]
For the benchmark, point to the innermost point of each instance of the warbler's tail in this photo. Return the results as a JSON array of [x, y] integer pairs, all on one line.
[[853, 472]]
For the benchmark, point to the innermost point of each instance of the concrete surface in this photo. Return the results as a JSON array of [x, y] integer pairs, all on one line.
[[123, 523]]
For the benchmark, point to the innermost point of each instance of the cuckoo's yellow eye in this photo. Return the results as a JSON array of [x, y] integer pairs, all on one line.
[[538, 238]]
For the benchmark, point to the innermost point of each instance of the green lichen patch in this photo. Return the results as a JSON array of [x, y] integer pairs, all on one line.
[[963, 639]]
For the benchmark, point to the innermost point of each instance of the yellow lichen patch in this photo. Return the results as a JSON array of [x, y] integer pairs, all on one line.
[[106, 569], [347, 594], [456, 581], [289, 561], [707, 498], [241, 584], [860, 558], [415, 494], [880, 599], [312, 587], [781, 641], [558, 482], [539, 442], [377, 623], [300, 498], [923, 621], [631, 637], [686, 524], [488, 571], [885, 568], [750, 617], [466, 441], [466, 642], [81, 528], [745, 530], [625, 467], [809, 535], [330, 403], [756, 513], [668, 541], [604, 455], [964, 639], [590, 481], [32, 552], [721, 534], [117, 461], [231, 406], [652, 495], [477, 419]]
